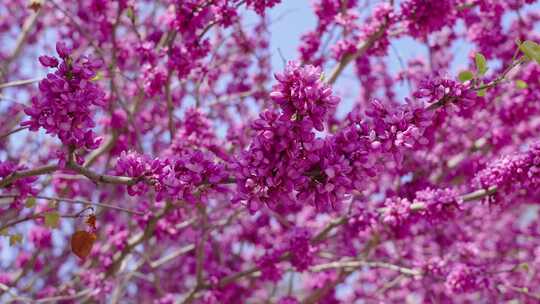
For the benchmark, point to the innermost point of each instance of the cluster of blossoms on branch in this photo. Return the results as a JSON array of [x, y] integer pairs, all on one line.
[[64, 106], [282, 162], [167, 157]]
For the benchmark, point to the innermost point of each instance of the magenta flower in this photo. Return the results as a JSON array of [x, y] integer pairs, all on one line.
[[66, 99]]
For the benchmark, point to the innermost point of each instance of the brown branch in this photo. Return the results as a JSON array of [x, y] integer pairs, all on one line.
[[445, 99], [168, 93], [362, 49], [354, 264], [324, 233], [57, 299], [321, 236], [468, 197], [8, 180], [29, 265], [103, 178], [80, 28], [12, 132], [173, 255], [28, 25], [148, 231], [479, 194], [106, 147], [78, 201], [34, 217], [18, 83]]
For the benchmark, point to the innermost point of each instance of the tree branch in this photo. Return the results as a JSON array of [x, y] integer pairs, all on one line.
[[78, 201], [359, 263], [27, 173], [362, 49], [18, 83]]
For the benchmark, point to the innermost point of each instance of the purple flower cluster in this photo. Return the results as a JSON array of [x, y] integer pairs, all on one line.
[[196, 132], [66, 101], [186, 172], [190, 161], [135, 165], [303, 96], [283, 157], [41, 237], [261, 5], [329, 176], [300, 248], [154, 80], [268, 266], [462, 279], [264, 173], [397, 214], [440, 89], [431, 205], [438, 204], [520, 169], [398, 128], [381, 18], [297, 243], [176, 177], [434, 266], [423, 17]]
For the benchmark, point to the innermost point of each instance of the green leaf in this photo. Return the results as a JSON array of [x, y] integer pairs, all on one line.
[[30, 202], [130, 13], [520, 84], [531, 49], [481, 64], [481, 92], [52, 219], [524, 267], [465, 76], [15, 239], [99, 76]]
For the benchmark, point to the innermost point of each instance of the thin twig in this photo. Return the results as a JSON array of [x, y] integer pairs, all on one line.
[[103, 178], [173, 255], [78, 201], [28, 25], [27, 173], [12, 132], [362, 49], [358, 263], [35, 217], [18, 83], [148, 232]]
